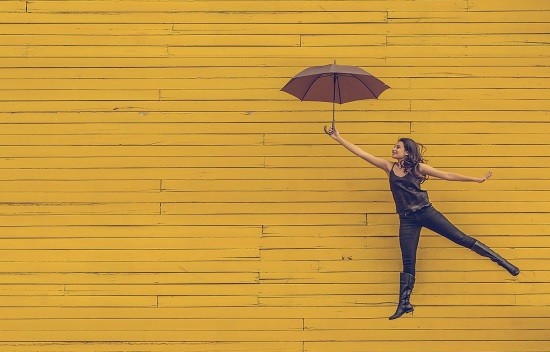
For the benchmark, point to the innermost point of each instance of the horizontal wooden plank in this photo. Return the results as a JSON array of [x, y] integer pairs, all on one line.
[[237, 73], [85, 186], [193, 162], [272, 312], [342, 40], [264, 324], [508, 5], [346, 117], [425, 265], [128, 279], [509, 39], [160, 324], [278, 289], [184, 127], [119, 162], [466, 82], [500, 218], [392, 28], [160, 39], [371, 299], [12, 6], [272, 258], [207, 301], [451, 251], [296, 62], [330, 208], [475, 98], [473, 15], [49, 255], [172, 243], [350, 52], [274, 83], [146, 106], [136, 139], [182, 231], [71, 94], [275, 346], [159, 51], [439, 162], [193, 220], [472, 95], [479, 105], [472, 127], [430, 240], [366, 139], [172, 155], [493, 274], [241, 6], [110, 29], [81, 209], [184, 172], [190, 17], [286, 336], [392, 229], [222, 266], [428, 346], [76, 301], [346, 185]]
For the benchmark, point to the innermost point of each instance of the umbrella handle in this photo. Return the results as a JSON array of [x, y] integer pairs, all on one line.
[[327, 132]]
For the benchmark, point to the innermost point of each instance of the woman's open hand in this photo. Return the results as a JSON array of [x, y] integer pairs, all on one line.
[[484, 178]]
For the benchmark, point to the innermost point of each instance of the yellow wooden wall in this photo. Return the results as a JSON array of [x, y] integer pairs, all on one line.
[[159, 193]]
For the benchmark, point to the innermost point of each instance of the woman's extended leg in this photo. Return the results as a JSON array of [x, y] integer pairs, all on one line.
[[435, 221]]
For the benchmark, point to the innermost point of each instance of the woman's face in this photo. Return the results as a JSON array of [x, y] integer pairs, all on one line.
[[398, 152]]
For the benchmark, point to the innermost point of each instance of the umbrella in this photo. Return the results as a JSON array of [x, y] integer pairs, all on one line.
[[334, 83]]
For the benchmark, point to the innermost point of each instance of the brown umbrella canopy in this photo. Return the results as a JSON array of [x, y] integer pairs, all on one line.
[[334, 83]]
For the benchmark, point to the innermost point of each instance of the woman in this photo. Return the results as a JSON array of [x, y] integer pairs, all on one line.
[[415, 210]]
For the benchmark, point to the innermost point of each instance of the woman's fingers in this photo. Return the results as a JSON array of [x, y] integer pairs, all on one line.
[[487, 175]]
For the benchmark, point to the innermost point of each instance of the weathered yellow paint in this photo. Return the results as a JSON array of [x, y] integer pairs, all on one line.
[[160, 193]]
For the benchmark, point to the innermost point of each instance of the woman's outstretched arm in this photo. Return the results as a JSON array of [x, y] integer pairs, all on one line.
[[451, 176], [383, 164]]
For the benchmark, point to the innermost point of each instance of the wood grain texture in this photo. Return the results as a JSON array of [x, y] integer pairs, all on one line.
[[160, 193]]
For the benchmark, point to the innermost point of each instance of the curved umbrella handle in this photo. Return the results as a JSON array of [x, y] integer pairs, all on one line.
[[327, 132]]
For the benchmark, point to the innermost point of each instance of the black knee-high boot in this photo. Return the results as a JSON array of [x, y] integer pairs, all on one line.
[[406, 285], [485, 251]]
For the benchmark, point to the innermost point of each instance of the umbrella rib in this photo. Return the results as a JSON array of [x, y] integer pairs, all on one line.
[[366, 86], [308, 88], [339, 92]]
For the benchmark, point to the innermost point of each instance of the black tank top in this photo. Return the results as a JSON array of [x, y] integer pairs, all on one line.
[[407, 194]]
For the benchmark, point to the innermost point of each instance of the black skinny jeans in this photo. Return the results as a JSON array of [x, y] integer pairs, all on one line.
[[428, 217]]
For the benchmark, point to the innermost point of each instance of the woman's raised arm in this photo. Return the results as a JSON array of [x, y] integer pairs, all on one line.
[[383, 164]]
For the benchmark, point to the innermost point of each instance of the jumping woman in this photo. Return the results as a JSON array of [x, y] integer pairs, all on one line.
[[415, 210]]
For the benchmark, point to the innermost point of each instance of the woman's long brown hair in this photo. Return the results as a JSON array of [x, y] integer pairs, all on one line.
[[410, 163]]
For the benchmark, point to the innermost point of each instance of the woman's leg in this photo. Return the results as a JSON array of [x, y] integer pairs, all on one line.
[[435, 221], [409, 234]]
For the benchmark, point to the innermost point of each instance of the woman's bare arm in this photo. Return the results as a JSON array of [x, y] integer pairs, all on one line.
[[383, 164], [451, 176]]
